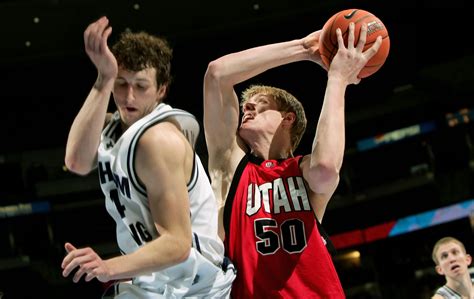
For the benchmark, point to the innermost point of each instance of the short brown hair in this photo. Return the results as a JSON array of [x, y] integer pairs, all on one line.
[[443, 241], [138, 51], [286, 102]]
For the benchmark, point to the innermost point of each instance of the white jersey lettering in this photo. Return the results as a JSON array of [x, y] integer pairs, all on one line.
[[287, 195]]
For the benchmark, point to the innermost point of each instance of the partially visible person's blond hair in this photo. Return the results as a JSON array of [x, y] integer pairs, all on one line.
[[443, 241]]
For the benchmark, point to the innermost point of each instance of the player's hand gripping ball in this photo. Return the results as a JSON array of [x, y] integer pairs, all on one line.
[[375, 27]]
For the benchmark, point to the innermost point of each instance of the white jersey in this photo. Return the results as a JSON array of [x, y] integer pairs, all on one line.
[[448, 293], [126, 201]]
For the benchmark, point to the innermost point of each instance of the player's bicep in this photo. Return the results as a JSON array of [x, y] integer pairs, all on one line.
[[160, 166], [319, 200]]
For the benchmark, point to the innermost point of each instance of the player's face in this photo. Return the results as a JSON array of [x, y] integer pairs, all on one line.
[[260, 113], [452, 260], [136, 94]]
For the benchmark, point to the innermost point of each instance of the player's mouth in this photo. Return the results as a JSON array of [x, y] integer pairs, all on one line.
[[247, 117]]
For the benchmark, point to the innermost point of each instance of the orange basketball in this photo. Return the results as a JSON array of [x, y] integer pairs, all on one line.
[[328, 39]]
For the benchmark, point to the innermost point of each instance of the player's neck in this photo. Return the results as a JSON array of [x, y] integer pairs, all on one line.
[[269, 152], [269, 146], [463, 286]]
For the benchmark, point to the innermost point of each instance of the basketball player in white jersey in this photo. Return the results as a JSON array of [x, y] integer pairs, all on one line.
[[452, 261], [155, 186]]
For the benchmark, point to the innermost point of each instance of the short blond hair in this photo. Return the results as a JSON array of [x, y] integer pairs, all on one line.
[[443, 241], [286, 102]]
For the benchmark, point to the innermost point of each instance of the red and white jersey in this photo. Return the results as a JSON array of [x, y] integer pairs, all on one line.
[[272, 235]]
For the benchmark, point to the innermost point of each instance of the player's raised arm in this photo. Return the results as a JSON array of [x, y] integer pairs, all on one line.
[[84, 135]]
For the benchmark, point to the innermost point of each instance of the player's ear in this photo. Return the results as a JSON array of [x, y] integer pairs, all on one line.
[[161, 93], [468, 259], [439, 270], [289, 118]]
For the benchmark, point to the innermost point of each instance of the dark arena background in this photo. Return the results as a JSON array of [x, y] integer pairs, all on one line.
[[407, 178]]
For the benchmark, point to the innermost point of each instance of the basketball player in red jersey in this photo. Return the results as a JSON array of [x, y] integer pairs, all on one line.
[[271, 201]]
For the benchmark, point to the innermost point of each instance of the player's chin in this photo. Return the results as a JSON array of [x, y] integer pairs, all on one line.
[[129, 118], [245, 124], [244, 132], [243, 127]]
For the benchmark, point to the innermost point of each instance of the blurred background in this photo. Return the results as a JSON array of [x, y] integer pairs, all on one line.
[[407, 178]]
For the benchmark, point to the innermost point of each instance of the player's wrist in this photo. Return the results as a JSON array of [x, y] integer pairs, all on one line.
[[104, 82]]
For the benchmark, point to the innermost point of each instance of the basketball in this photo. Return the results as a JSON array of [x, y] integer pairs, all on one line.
[[328, 38]]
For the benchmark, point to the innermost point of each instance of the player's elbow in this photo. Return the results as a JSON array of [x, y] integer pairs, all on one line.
[[73, 165], [323, 177], [212, 72], [183, 249], [215, 72], [184, 256]]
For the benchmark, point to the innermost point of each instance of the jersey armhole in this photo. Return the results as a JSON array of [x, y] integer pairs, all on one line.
[[233, 188]]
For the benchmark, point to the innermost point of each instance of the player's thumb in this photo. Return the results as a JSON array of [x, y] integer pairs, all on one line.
[[68, 246]]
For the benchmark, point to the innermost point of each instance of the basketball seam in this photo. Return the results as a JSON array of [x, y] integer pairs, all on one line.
[[370, 43], [335, 45], [364, 17]]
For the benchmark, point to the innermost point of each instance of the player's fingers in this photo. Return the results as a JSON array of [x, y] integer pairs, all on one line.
[[90, 268], [94, 34], [105, 36], [68, 267], [340, 41], [79, 273], [362, 37], [74, 259], [73, 252], [89, 276], [374, 49], [88, 35], [97, 35], [350, 37], [69, 247], [68, 259]]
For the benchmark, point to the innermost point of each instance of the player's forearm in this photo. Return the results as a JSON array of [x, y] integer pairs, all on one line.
[[84, 135], [329, 141], [164, 252], [240, 66]]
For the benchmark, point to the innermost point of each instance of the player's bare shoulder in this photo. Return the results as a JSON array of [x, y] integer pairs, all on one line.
[[165, 136]]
